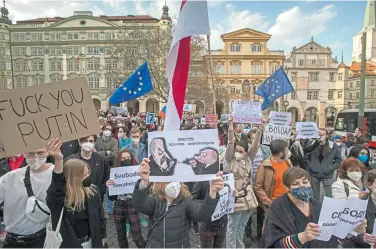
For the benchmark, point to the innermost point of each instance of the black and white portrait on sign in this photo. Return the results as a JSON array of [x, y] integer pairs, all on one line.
[[161, 161], [227, 200]]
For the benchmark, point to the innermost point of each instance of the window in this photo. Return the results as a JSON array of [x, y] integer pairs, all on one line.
[[93, 81], [235, 48], [235, 69], [332, 77], [373, 93], [110, 36], [235, 90], [38, 79], [350, 96], [219, 69], [330, 94], [313, 76], [273, 68], [257, 69], [19, 51], [37, 51], [37, 66], [56, 51], [3, 83], [312, 95], [357, 95], [93, 65], [358, 83], [311, 62], [372, 82], [73, 65], [19, 37], [93, 50], [301, 62], [294, 95], [20, 66], [351, 84], [339, 94], [55, 77], [72, 36], [110, 82], [72, 50], [55, 36], [293, 76], [72, 76], [36, 37], [2, 35], [55, 65], [111, 64], [21, 81], [340, 76], [256, 48], [2, 51], [93, 36]]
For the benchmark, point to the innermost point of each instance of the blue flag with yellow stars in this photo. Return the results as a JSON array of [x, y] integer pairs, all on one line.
[[138, 84], [277, 85]]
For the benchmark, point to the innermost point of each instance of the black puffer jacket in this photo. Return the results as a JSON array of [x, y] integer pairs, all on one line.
[[173, 230]]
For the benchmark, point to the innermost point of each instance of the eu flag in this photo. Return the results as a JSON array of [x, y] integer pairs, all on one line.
[[277, 85], [138, 84]]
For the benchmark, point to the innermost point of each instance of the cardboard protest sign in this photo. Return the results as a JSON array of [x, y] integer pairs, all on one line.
[[273, 132], [246, 111], [226, 201], [183, 156], [125, 178], [150, 117], [119, 111], [307, 130], [31, 116], [2, 151], [280, 118], [211, 119], [341, 217]]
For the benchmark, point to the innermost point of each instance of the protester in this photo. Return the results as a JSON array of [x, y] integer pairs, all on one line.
[[358, 133], [342, 147], [99, 168], [123, 209], [239, 135], [292, 218], [299, 148], [362, 154], [123, 138], [350, 180], [12, 163], [322, 163], [71, 192], [239, 162], [137, 149], [172, 209], [106, 145], [23, 194], [69, 148]]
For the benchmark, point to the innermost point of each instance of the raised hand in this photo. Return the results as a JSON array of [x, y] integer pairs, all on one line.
[[53, 148], [110, 182], [311, 232], [216, 185], [144, 171]]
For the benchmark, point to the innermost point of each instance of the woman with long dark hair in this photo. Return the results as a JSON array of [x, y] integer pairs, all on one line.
[[123, 209], [362, 154]]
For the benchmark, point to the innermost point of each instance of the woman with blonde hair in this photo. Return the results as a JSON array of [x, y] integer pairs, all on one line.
[[83, 223], [171, 209]]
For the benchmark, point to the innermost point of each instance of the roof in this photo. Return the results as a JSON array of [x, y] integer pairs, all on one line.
[[357, 74], [355, 66], [342, 65], [129, 18]]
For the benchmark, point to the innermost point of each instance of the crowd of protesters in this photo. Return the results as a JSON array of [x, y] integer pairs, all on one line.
[[277, 190]]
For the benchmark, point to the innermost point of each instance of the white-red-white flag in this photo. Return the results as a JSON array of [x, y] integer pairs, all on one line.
[[193, 20]]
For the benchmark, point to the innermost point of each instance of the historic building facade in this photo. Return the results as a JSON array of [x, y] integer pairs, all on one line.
[[45, 50]]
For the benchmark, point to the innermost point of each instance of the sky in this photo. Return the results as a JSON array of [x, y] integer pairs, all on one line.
[[291, 23]]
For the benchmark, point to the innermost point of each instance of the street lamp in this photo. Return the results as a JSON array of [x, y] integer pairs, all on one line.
[[286, 104]]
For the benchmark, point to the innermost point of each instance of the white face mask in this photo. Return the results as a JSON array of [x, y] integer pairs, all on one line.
[[238, 156], [135, 140], [172, 190], [87, 146], [107, 133], [36, 163], [355, 176], [121, 134]]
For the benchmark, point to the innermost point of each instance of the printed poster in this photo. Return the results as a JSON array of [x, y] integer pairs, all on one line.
[[273, 132], [150, 117], [183, 156], [125, 178], [306, 130], [224, 118], [247, 111], [119, 111], [211, 119], [189, 108], [226, 201], [280, 118]]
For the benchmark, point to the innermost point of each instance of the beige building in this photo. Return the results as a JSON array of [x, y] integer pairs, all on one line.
[[45, 50], [242, 65]]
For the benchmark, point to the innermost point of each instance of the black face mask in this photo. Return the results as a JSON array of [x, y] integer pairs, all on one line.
[[126, 162], [86, 182]]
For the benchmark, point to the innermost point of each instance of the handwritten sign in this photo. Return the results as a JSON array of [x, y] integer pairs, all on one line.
[[273, 132], [211, 119], [280, 118], [125, 178], [246, 111], [31, 116], [226, 201], [150, 117], [341, 217], [307, 130]]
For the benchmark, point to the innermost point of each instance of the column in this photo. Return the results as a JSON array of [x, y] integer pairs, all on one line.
[[46, 65], [64, 66], [142, 104], [102, 83], [321, 115]]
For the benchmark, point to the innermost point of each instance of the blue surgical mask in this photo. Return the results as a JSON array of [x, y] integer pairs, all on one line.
[[302, 193], [363, 158]]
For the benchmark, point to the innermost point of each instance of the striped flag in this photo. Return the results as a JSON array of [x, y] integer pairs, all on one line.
[[193, 20]]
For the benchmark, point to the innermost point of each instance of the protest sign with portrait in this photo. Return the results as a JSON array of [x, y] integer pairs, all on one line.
[[150, 118], [183, 156], [226, 201]]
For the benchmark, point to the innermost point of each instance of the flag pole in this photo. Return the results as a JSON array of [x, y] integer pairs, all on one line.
[[212, 76]]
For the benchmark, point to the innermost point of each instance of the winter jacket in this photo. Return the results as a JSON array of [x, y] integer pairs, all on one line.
[[299, 150], [242, 171], [265, 183], [5, 167], [172, 231], [324, 167], [69, 148], [339, 190], [97, 221], [104, 146]]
